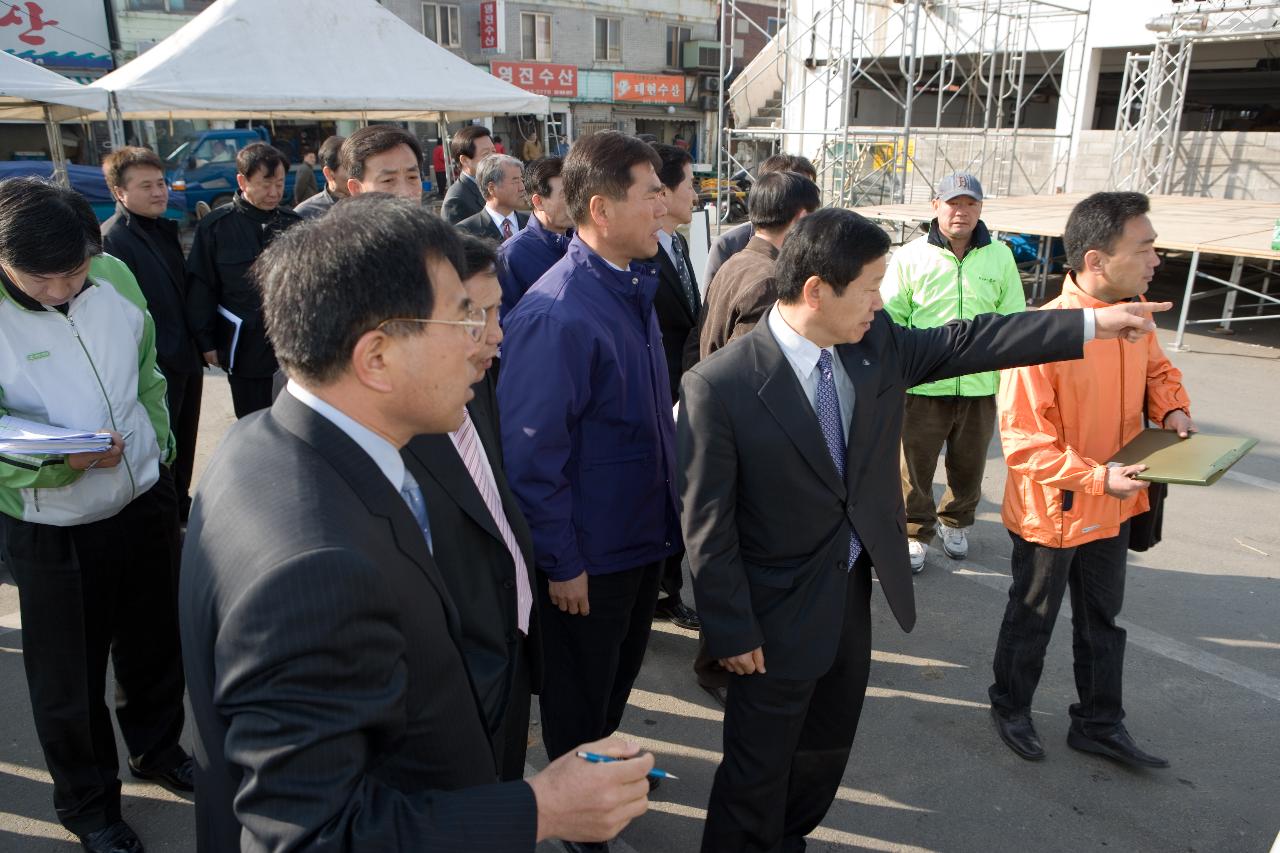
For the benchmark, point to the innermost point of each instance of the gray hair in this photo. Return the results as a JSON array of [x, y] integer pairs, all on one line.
[[490, 170]]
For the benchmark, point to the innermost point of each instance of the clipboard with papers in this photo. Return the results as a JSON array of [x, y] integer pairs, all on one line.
[[1197, 460]]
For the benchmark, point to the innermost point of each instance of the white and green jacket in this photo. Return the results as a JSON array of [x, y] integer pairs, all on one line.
[[92, 368]]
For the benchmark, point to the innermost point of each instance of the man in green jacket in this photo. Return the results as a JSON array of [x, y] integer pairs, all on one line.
[[955, 272]]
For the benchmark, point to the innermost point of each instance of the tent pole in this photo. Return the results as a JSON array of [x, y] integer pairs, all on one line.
[[449, 173], [56, 152], [115, 122]]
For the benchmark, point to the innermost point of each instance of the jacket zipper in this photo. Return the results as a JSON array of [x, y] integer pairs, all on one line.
[[960, 296], [133, 484]]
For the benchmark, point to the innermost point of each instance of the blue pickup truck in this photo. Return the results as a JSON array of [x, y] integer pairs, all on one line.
[[203, 167]]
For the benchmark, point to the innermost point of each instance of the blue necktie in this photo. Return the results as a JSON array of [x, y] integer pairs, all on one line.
[[413, 497], [828, 406], [686, 282]]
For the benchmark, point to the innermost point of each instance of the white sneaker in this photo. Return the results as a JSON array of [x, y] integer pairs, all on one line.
[[955, 541], [917, 552]]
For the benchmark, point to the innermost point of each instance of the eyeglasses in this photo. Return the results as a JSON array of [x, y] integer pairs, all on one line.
[[474, 324]]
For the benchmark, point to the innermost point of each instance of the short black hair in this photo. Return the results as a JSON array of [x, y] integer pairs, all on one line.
[[116, 165], [834, 244], [671, 172], [464, 141], [374, 140], [45, 229], [330, 153], [600, 164], [1098, 221], [538, 174], [778, 197], [328, 281], [478, 255], [260, 157], [788, 163]]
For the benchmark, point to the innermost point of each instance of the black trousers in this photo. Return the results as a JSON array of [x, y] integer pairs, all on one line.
[[787, 742], [85, 591], [1094, 572], [511, 741], [672, 579], [249, 394], [590, 662], [184, 395]]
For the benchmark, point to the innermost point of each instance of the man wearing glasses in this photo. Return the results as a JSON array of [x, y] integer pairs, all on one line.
[[323, 648]]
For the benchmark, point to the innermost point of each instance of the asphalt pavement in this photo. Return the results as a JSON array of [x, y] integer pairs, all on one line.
[[1202, 687]]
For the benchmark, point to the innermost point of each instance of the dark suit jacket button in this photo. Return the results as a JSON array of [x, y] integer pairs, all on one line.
[[508, 583], [842, 566]]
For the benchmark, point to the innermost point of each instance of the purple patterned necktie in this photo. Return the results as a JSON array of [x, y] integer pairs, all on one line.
[[827, 404]]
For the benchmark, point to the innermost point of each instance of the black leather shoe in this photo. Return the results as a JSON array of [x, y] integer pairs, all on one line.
[[720, 694], [678, 613], [179, 777], [1115, 744], [1019, 735], [119, 837]]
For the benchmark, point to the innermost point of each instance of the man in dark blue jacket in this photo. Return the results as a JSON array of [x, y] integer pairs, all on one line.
[[589, 438], [525, 257]]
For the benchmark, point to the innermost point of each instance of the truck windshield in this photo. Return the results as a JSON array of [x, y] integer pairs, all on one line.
[[182, 151]]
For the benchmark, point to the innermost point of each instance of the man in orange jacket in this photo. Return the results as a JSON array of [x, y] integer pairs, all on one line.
[[1067, 511]]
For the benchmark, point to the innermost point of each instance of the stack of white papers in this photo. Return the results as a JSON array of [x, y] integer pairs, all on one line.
[[34, 439]]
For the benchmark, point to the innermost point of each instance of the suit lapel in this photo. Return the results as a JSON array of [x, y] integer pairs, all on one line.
[[439, 458], [785, 399], [366, 481], [863, 370], [142, 235], [670, 278]]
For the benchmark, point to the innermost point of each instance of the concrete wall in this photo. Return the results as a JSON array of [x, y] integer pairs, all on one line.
[[1222, 164]]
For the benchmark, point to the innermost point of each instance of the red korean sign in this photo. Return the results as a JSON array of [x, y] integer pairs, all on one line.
[[541, 78], [648, 88], [492, 37]]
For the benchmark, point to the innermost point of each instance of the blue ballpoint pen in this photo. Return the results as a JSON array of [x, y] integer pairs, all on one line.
[[595, 758]]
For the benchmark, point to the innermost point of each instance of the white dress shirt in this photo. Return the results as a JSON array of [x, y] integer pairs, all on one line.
[[383, 452], [802, 354], [498, 219]]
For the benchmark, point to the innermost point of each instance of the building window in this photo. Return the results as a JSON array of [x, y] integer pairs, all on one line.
[[535, 37], [608, 39], [772, 25], [442, 24], [676, 37]]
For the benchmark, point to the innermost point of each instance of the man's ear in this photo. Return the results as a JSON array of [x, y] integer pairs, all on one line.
[[811, 293], [369, 360], [599, 210]]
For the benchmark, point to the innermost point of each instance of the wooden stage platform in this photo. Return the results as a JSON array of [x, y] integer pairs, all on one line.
[[1200, 226]]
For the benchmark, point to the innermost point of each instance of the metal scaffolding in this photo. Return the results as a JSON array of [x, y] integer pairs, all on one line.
[[1154, 88], [953, 81]]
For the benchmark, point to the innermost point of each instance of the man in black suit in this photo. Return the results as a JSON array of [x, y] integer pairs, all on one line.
[[501, 180], [482, 542], [469, 146], [139, 235], [678, 304], [332, 702], [782, 547]]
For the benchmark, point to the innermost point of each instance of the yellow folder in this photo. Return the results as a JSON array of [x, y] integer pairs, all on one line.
[[1197, 460]]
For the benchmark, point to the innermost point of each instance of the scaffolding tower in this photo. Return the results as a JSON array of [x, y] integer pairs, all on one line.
[[1153, 90], [953, 78]]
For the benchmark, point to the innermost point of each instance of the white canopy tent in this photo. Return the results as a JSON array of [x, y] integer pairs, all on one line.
[[31, 93], [333, 59]]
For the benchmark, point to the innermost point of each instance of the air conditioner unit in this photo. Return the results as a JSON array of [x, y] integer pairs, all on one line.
[[709, 103], [708, 83], [700, 54]]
